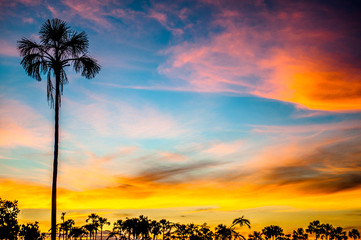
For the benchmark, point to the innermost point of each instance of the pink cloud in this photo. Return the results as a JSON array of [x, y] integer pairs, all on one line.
[[22, 126], [283, 57], [8, 49], [166, 14], [223, 149], [92, 10], [28, 20]]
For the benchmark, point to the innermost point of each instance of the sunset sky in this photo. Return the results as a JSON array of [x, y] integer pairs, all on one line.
[[203, 111]]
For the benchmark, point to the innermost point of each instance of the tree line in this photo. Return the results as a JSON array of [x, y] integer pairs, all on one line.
[[143, 228]]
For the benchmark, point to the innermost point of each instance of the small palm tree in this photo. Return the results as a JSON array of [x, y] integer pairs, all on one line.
[[94, 218], [222, 232], [77, 232], [102, 221], [272, 231], [326, 230], [354, 233], [338, 234], [241, 221], [205, 232], [89, 228], [165, 226], [155, 228], [62, 218], [299, 234], [316, 228], [59, 48], [255, 236]]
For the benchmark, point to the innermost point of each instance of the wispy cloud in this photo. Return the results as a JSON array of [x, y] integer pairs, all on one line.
[[8, 49], [22, 126], [268, 59], [118, 118]]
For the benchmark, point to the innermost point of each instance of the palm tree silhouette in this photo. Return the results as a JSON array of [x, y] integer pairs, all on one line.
[[241, 221], [143, 226], [299, 234], [118, 228], [222, 232], [62, 218], [59, 48], [67, 226], [315, 227], [89, 228], [155, 228], [102, 221], [77, 232], [205, 232], [272, 231], [338, 234], [326, 230], [165, 226], [255, 236], [94, 218], [354, 233], [181, 230]]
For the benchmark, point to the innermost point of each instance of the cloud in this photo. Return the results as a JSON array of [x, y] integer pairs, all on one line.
[[169, 16], [8, 49], [91, 10], [116, 118], [176, 173], [223, 149], [284, 53], [28, 20], [323, 164], [21, 125]]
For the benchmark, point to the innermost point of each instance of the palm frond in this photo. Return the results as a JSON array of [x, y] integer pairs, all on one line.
[[87, 66], [50, 90], [63, 79], [26, 47], [76, 45], [34, 64], [54, 31]]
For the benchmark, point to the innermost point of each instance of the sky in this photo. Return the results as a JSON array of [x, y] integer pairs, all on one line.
[[203, 111]]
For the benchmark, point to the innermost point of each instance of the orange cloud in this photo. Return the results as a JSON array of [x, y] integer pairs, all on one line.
[[291, 54], [314, 80]]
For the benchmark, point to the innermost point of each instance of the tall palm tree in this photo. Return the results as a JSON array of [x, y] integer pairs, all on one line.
[[59, 48], [102, 221]]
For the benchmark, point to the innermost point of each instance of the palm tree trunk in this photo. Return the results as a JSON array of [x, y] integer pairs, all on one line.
[[55, 164]]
